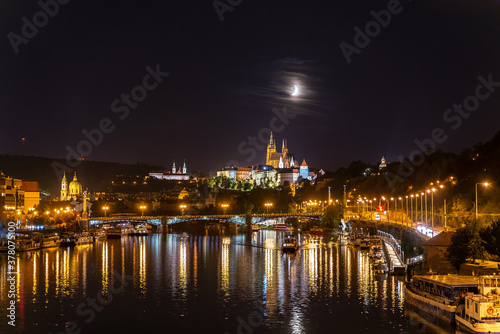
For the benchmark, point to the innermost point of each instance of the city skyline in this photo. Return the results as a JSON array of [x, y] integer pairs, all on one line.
[[210, 87]]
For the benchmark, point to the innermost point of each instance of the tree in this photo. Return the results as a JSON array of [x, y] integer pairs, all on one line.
[[332, 216], [465, 243], [491, 238]]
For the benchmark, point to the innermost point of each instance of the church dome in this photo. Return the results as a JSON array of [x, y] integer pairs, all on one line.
[[183, 194], [75, 187]]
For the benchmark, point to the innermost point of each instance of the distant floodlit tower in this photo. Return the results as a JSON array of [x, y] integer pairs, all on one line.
[[383, 164], [64, 188], [304, 170], [173, 168], [184, 168]]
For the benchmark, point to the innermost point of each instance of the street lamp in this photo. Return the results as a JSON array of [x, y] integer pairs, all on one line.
[[267, 205], [224, 207], [105, 208], [484, 184], [183, 207], [431, 191], [142, 207]]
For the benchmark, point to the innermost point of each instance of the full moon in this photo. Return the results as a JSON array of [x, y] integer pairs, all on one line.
[[295, 90]]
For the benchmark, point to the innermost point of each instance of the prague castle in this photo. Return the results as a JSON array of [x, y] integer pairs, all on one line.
[[283, 159]]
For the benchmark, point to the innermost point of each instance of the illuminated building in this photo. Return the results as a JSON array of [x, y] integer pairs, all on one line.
[[71, 192], [17, 196], [283, 159], [174, 174]]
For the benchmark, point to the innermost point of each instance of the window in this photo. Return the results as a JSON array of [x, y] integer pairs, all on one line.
[[467, 303], [477, 307]]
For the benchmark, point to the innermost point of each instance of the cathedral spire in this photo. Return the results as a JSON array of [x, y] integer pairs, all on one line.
[[184, 168], [271, 139]]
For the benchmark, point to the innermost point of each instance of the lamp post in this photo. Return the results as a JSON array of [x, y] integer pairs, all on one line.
[[183, 207], [267, 205], [422, 207], [142, 207], [477, 212], [224, 207], [105, 208], [407, 207], [411, 211], [431, 191]]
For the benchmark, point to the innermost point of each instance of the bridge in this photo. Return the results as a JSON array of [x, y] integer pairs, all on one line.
[[171, 220]]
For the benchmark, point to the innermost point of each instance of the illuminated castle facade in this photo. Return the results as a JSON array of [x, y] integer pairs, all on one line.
[[283, 159], [173, 175]]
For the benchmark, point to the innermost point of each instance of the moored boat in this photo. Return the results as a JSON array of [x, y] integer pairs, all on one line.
[[317, 231], [27, 243], [289, 244], [255, 228], [113, 233], [280, 227], [50, 241], [84, 238], [139, 231], [440, 295], [480, 313]]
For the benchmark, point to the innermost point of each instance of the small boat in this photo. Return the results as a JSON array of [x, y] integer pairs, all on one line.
[[139, 231], [100, 235], [317, 231], [127, 230], [51, 241], [113, 233], [68, 239], [365, 243], [280, 227], [26, 244], [480, 312], [380, 266], [255, 228], [84, 238], [289, 244]]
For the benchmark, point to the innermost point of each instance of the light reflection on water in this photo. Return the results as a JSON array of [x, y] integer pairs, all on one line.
[[206, 282]]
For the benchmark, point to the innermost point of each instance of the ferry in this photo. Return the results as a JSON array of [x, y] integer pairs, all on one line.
[[440, 295], [481, 312], [289, 244]]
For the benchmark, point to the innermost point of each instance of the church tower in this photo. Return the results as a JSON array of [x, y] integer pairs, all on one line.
[[271, 148], [184, 168], [173, 168], [64, 188]]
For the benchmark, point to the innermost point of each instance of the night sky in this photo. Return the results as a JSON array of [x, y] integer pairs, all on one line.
[[226, 77]]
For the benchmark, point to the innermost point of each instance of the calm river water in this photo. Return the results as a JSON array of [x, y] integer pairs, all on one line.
[[207, 283]]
